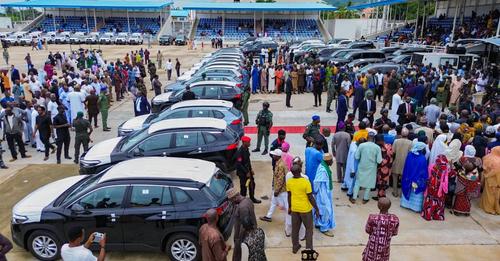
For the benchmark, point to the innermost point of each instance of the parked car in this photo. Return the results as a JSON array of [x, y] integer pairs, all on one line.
[[13, 39], [361, 45], [180, 40], [222, 70], [107, 38], [217, 109], [166, 40], [339, 42], [135, 38], [382, 67], [363, 62], [77, 38], [355, 55], [401, 59], [62, 38], [92, 38], [27, 39], [50, 37], [203, 138], [257, 46], [121, 38], [248, 39], [213, 90], [209, 76], [388, 51], [411, 50], [324, 54], [136, 203]]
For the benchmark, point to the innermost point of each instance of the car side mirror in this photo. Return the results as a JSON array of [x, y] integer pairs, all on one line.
[[78, 209], [137, 152]]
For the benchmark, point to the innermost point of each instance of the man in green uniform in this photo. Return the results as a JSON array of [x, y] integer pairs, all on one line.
[[103, 103], [244, 105], [83, 129], [311, 131], [264, 123], [330, 90]]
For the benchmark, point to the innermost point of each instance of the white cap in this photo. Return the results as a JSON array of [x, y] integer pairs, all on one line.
[[276, 152]]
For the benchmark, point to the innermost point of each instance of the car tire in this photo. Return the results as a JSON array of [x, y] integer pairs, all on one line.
[[48, 245], [183, 246]]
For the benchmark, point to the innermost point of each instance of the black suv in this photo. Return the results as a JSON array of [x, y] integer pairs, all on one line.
[[218, 90], [166, 40], [361, 45], [256, 47], [146, 204], [203, 138]]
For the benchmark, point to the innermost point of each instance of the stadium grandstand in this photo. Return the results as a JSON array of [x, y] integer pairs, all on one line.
[[98, 16]]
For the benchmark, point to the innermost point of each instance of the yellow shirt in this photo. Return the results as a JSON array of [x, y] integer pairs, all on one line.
[[360, 134], [299, 188]]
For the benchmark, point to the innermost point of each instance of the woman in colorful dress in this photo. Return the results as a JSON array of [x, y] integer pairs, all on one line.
[[468, 181], [384, 168], [453, 154], [490, 199], [414, 180], [279, 78], [437, 187]]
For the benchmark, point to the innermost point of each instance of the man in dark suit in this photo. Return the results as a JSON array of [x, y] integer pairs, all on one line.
[[367, 108], [14, 74], [342, 107], [405, 110], [141, 105]]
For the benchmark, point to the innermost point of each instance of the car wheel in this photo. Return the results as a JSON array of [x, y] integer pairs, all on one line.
[[44, 245], [183, 247]]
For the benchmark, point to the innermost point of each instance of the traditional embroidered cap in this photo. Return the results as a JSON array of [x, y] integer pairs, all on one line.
[[372, 133], [245, 139], [327, 157], [276, 152]]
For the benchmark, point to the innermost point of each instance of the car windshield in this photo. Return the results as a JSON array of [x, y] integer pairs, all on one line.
[[84, 185], [133, 139]]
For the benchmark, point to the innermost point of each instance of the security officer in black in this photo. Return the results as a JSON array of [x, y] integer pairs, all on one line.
[[83, 129], [60, 123], [264, 123], [244, 169], [188, 94]]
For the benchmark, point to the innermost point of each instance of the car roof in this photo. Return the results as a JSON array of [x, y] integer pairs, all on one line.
[[227, 83], [161, 168], [202, 103], [187, 123]]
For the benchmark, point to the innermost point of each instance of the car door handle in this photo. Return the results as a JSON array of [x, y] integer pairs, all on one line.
[[163, 215], [113, 217]]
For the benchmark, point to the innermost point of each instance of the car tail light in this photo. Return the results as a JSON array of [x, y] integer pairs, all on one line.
[[222, 208], [232, 146], [237, 96], [236, 122], [238, 85]]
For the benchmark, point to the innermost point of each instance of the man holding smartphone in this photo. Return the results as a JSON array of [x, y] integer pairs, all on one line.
[[75, 251]]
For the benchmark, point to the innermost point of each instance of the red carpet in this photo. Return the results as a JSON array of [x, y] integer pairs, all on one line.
[[288, 129]]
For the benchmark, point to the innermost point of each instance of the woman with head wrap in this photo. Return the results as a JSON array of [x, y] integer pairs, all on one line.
[[467, 182], [285, 156], [490, 199], [437, 187], [414, 180], [453, 154], [438, 147], [467, 133]]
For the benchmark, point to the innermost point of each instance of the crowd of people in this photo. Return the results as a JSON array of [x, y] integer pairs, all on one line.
[[41, 105]]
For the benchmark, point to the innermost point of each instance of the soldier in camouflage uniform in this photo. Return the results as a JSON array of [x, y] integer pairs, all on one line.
[[311, 131], [330, 91], [264, 123], [244, 106]]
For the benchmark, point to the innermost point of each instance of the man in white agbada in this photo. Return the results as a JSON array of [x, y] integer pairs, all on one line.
[[272, 78], [396, 101], [76, 100], [323, 193]]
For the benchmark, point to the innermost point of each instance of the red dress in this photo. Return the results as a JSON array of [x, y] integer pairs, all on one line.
[[437, 187], [466, 188], [381, 228]]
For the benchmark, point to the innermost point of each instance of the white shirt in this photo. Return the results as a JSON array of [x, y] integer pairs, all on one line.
[[346, 85], [309, 72], [380, 78], [52, 107], [79, 253], [35, 86], [168, 66]]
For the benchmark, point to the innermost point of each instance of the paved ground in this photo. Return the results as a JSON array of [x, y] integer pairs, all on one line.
[[464, 238]]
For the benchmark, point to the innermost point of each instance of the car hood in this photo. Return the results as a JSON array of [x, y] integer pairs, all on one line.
[[102, 151], [32, 205], [162, 97], [174, 86], [135, 123]]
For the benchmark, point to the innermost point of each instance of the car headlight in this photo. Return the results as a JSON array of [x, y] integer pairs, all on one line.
[[19, 219], [89, 163]]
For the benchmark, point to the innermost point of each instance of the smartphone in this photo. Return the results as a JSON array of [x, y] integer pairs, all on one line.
[[97, 237]]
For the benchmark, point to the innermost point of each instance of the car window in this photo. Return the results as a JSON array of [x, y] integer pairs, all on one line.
[[217, 114], [146, 196], [180, 196], [157, 142], [226, 91], [211, 91], [198, 91], [180, 114], [110, 197], [187, 139], [200, 113]]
